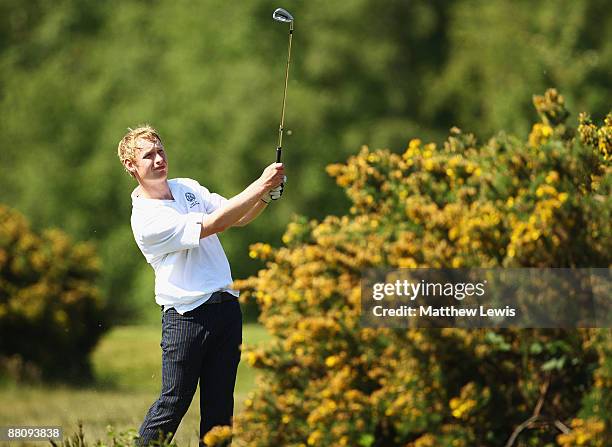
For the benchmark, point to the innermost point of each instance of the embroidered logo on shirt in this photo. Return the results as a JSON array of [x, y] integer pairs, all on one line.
[[191, 198]]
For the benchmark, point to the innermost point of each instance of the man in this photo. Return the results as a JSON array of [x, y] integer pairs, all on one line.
[[175, 224]]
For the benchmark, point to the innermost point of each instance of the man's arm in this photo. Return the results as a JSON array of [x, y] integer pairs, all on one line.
[[252, 213], [273, 194], [242, 204]]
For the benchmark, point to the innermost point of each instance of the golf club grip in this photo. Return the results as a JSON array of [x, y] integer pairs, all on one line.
[[278, 160]]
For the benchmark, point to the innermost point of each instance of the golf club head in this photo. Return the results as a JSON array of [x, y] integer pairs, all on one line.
[[282, 15]]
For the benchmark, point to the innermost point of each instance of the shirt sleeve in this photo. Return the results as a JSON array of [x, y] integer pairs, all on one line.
[[168, 231], [212, 200]]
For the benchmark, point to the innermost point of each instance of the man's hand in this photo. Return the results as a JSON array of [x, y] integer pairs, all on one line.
[[277, 192], [272, 176]]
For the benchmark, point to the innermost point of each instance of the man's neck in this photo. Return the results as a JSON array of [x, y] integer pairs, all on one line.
[[157, 190]]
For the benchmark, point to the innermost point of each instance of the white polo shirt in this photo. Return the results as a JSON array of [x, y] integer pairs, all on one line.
[[187, 269]]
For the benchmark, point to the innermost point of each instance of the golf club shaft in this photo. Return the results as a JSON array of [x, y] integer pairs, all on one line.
[[282, 120]]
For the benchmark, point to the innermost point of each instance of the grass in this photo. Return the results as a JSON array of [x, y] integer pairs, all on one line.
[[127, 365]]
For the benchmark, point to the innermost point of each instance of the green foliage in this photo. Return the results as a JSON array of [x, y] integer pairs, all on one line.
[[219, 436], [75, 74], [121, 439], [500, 52], [542, 202], [51, 312]]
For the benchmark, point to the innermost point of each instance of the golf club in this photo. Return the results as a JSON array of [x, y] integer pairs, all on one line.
[[282, 15]]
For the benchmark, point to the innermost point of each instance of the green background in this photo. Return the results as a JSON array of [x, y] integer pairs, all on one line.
[[74, 74]]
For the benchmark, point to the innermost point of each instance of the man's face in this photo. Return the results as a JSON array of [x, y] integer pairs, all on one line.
[[151, 162]]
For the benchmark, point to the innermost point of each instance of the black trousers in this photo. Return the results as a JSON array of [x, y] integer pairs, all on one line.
[[203, 344]]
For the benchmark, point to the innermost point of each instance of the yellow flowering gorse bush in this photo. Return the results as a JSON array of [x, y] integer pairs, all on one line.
[[327, 381], [51, 312]]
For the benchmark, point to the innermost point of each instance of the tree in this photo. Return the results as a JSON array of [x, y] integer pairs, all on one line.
[[75, 75]]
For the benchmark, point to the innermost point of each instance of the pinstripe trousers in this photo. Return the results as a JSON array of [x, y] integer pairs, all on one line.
[[201, 345]]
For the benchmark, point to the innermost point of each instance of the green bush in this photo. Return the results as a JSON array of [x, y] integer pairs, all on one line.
[[511, 202], [51, 312]]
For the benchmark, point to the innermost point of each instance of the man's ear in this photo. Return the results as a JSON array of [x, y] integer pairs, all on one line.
[[129, 165]]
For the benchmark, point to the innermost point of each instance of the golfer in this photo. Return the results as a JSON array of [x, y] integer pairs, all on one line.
[[175, 223]]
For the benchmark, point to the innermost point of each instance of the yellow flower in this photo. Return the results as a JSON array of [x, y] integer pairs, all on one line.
[[539, 134], [330, 405], [426, 441], [414, 143], [267, 299], [454, 403], [552, 177], [461, 408], [314, 437], [251, 358], [331, 361], [408, 263], [217, 434]]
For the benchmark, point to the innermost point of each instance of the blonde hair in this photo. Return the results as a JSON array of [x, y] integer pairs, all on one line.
[[127, 146]]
